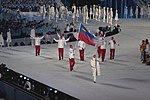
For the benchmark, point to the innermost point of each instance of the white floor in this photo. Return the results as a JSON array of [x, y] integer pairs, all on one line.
[[124, 78]]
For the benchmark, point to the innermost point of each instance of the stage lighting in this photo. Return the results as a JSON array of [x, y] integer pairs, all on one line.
[[21, 76], [12, 77], [25, 78], [28, 79], [50, 89], [55, 91]]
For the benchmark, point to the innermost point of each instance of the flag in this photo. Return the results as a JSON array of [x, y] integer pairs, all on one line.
[[86, 36]]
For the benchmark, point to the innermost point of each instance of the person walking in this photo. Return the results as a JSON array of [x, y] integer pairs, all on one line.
[[49, 12], [99, 13], [37, 44], [111, 16], [112, 44], [8, 38], [116, 18], [147, 45], [91, 12], [141, 12], [131, 12], [82, 46], [77, 15], [95, 67], [147, 50], [71, 57], [126, 12], [103, 49], [1, 40], [99, 43], [61, 43], [32, 35], [104, 14], [142, 50]]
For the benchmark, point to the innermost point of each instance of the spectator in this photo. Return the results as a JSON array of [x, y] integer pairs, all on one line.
[[1, 40], [8, 38], [142, 50]]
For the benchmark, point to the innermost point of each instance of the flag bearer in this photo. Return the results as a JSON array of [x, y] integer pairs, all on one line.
[[82, 46]]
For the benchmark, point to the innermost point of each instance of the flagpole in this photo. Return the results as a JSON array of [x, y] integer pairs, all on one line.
[[77, 38]]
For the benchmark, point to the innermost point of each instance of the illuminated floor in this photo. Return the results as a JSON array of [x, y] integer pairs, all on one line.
[[124, 78]]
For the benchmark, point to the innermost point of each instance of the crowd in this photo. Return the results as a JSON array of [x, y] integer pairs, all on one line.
[[25, 5]]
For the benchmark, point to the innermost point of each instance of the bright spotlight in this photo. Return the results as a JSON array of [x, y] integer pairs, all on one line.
[[55, 91], [21, 76], [25, 78], [50, 89]]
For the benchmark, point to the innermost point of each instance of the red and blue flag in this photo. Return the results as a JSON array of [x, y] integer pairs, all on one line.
[[86, 36]]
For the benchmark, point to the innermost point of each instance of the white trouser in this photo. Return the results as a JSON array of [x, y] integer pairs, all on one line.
[[49, 17], [94, 74], [8, 43], [84, 19], [104, 19], [107, 18], [99, 18], [32, 42], [98, 69]]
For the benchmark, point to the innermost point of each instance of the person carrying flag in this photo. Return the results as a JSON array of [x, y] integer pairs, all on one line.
[[86, 36], [82, 46]]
